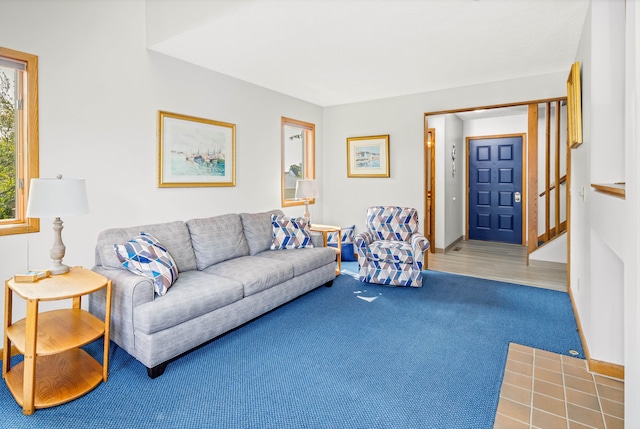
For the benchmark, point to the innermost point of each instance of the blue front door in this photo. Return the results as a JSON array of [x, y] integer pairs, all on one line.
[[495, 189]]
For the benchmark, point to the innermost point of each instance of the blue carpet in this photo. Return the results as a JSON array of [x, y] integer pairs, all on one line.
[[351, 356]]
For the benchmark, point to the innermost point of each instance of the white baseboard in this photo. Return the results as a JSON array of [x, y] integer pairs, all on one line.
[[548, 264]]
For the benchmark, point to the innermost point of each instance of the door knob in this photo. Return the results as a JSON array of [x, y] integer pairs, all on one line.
[[517, 197]]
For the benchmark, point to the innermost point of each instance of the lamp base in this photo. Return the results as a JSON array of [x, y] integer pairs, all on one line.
[[306, 210], [58, 250], [59, 269]]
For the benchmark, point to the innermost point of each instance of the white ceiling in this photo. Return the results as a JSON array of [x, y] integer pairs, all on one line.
[[331, 52]]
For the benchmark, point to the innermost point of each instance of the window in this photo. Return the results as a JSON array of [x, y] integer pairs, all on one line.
[[298, 157], [18, 139]]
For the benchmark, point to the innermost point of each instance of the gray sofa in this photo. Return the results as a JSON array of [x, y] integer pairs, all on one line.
[[227, 277]]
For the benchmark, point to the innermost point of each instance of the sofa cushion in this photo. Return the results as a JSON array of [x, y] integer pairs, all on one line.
[[347, 238], [390, 251], [216, 239], [290, 233], [302, 260], [256, 274], [258, 230], [145, 256], [174, 236], [194, 294]]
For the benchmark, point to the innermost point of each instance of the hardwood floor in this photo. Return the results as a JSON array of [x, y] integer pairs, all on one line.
[[497, 261]]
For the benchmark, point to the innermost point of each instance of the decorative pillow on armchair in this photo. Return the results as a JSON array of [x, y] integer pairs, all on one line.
[[290, 233], [145, 256], [348, 234]]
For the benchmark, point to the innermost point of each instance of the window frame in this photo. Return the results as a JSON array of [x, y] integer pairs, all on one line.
[[308, 157], [27, 149]]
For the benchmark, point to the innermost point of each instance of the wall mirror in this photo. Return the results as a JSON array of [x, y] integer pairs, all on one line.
[[298, 158]]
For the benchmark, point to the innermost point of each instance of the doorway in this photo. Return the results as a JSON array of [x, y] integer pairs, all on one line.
[[540, 115], [495, 188]]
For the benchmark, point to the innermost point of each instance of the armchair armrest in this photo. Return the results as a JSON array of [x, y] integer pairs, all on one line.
[[316, 239], [419, 244], [361, 242]]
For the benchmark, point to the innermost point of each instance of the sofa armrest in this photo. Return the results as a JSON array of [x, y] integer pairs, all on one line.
[[128, 291], [317, 239], [419, 244]]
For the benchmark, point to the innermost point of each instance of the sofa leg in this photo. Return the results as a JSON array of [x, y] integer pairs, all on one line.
[[329, 283], [157, 370]]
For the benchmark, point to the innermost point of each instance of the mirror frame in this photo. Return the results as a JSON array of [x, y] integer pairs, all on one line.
[[308, 155]]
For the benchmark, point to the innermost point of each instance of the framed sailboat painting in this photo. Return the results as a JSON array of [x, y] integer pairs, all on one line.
[[368, 156], [195, 152]]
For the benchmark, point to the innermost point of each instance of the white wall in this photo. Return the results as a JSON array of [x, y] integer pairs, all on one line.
[[580, 243], [515, 124], [599, 222], [553, 251], [631, 278], [100, 90], [454, 207], [449, 200], [605, 238]]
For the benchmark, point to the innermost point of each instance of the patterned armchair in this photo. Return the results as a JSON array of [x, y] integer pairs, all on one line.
[[391, 250]]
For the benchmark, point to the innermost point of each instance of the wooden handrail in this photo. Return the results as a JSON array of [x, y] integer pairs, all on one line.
[[563, 179]]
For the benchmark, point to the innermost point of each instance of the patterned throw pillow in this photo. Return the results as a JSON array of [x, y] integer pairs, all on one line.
[[145, 256], [290, 233], [348, 234]]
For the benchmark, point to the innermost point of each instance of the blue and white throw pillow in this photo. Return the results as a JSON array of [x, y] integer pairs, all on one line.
[[347, 237], [145, 256], [290, 233]]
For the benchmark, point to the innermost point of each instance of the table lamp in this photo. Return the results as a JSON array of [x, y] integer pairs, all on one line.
[[56, 198], [306, 190]]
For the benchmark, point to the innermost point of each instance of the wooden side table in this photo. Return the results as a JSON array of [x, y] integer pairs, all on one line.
[[325, 230], [55, 369]]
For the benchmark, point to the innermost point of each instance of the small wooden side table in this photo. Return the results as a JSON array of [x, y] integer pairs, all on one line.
[[325, 230], [55, 369]]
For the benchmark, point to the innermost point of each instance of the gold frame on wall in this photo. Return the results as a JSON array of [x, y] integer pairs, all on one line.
[[376, 146], [305, 137], [195, 152], [574, 106]]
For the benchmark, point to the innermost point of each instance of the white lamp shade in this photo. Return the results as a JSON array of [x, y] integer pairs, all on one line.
[[307, 189], [52, 198]]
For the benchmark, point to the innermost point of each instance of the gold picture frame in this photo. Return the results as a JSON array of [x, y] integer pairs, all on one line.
[[368, 156], [574, 107], [195, 152]]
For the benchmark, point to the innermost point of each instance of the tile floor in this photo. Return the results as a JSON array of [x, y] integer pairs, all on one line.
[[546, 391]]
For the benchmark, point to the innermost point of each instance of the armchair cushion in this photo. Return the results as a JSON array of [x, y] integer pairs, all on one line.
[[392, 223], [390, 251]]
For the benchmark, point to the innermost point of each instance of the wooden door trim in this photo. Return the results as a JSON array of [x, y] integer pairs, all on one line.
[[495, 106], [533, 179], [523, 166], [432, 215]]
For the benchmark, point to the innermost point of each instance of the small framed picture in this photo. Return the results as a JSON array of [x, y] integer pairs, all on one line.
[[195, 152], [368, 156]]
